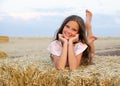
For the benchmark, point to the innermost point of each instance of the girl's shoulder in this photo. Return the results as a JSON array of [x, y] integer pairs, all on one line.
[[55, 47], [56, 43], [81, 45]]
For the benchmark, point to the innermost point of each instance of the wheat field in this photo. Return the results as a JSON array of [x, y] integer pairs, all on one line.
[[29, 64]]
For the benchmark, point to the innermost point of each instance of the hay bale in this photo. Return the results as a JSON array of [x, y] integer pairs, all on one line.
[[39, 71], [4, 38], [3, 54]]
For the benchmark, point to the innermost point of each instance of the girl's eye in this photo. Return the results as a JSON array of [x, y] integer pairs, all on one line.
[[74, 30], [67, 26]]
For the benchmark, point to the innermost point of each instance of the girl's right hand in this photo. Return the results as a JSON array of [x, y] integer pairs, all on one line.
[[61, 38]]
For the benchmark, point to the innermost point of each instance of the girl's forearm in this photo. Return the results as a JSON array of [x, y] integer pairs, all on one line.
[[63, 58], [71, 57]]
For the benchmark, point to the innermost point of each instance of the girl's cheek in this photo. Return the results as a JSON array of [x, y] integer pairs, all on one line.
[[74, 34]]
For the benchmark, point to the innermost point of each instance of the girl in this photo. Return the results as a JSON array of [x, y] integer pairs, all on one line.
[[71, 45]]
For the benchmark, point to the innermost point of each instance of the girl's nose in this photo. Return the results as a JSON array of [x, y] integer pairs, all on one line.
[[69, 31]]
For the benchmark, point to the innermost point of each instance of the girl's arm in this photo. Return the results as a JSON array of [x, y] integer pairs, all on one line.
[[60, 62], [73, 60]]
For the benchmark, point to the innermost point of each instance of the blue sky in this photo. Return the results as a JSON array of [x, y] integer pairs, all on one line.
[[43, 17]]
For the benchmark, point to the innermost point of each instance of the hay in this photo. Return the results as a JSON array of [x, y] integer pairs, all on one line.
[[4, 39], [3, 54], [39, 71]]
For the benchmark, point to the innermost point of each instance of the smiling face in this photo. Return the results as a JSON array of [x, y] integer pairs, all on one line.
[[70, 29]]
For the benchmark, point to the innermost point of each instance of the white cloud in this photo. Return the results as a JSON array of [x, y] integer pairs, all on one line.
[[27, 9], [32, 15]]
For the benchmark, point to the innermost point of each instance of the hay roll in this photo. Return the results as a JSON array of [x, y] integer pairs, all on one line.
[[4, 39]]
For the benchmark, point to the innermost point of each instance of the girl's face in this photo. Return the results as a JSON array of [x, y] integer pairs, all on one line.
[[70, 29]]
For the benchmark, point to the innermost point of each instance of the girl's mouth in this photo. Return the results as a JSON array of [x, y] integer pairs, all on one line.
[[67, 35]]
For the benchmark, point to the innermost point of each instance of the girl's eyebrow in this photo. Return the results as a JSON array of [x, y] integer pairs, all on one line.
[[74, 29], [67, 25]]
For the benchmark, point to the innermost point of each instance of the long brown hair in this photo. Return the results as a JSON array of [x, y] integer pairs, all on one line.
[[86, 57]]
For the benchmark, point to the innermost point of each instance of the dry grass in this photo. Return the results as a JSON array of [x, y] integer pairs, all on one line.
[[30, 65], [3, 54]]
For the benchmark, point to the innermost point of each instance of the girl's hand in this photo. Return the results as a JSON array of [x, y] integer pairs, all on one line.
[[74, 39], [61, 38]]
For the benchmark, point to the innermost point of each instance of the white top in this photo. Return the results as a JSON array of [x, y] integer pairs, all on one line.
[[55, 48]]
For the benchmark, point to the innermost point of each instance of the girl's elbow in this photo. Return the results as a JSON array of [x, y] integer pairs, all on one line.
[[60, 67]]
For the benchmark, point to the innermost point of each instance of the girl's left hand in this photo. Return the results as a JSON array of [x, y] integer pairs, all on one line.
[[75, 38]]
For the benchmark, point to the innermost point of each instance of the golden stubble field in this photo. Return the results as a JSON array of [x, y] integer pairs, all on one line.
[[30, 46], [29, 64]]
